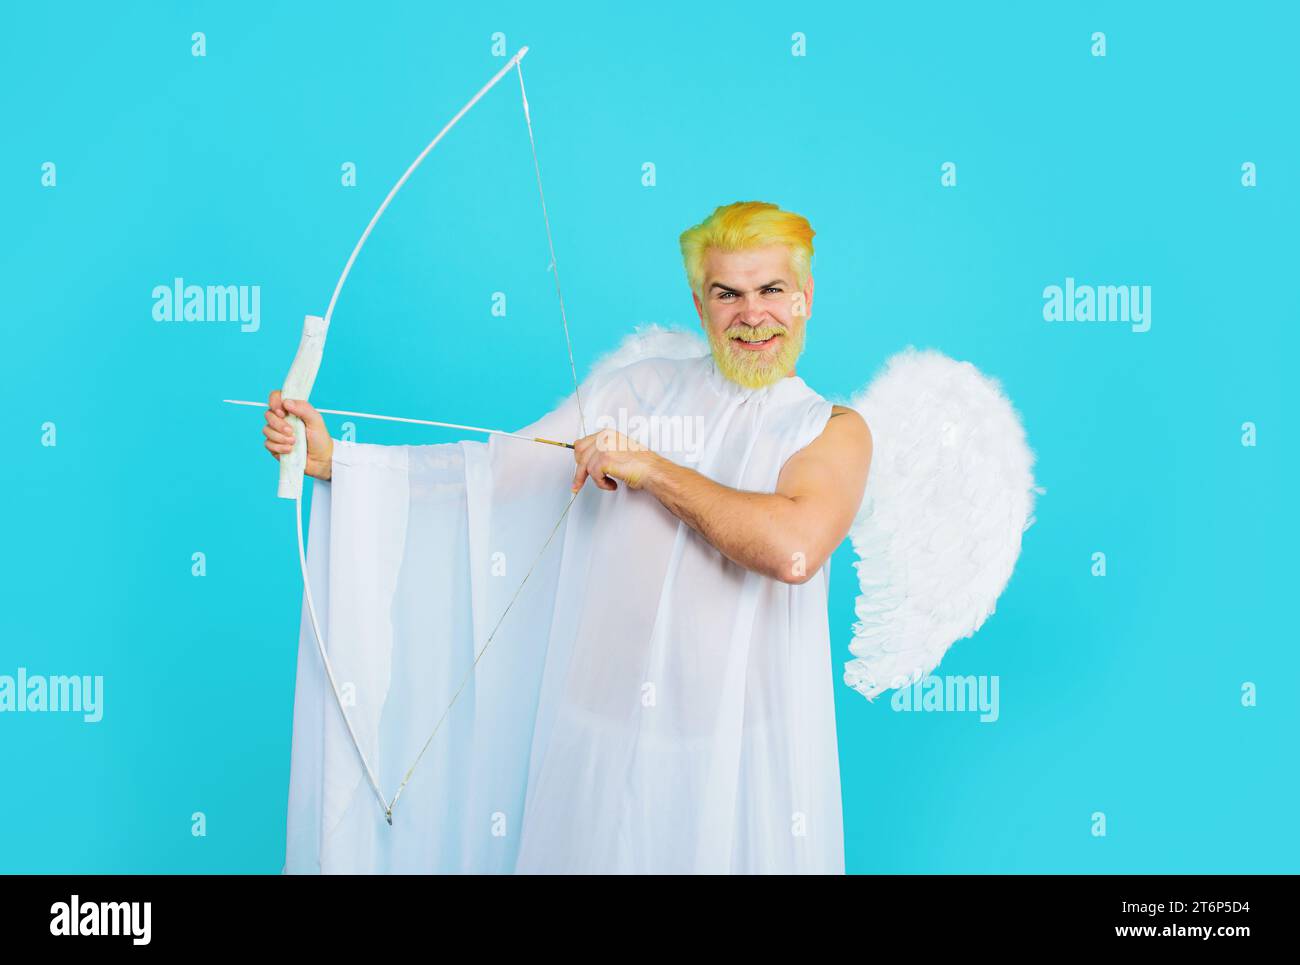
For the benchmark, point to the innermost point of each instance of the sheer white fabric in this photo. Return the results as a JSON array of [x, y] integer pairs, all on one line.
[[646, 705]]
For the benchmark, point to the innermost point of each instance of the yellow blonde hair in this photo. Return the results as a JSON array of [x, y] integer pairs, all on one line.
[[744, 225]]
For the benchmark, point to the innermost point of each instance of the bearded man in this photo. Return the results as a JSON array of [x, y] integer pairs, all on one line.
[[658, 692]]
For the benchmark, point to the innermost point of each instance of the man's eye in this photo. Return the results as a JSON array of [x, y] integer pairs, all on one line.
[[726, 294], [771, 289]]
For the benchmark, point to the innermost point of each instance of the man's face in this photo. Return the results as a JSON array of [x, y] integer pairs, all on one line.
[[753, 314]]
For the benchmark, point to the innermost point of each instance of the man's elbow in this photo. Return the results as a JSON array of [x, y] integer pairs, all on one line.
[[796, 566]]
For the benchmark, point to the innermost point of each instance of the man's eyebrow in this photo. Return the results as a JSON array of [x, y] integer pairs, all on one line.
[[771, 284]]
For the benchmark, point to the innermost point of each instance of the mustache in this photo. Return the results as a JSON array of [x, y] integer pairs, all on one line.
[[755, 333]]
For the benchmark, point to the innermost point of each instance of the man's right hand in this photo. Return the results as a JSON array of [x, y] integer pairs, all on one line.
[[280, 438]]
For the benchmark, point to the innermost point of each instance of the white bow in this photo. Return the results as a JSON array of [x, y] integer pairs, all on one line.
[[302, 375]]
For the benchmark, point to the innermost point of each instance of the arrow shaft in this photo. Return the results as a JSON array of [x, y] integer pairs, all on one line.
[[418, 422]]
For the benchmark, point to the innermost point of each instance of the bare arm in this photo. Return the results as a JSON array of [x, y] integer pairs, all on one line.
[[787, 535]]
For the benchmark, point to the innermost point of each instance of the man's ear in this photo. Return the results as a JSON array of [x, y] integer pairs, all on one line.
[[699, 306], [808, 297]]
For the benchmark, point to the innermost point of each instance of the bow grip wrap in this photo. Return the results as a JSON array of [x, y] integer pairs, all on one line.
[[297, 385]]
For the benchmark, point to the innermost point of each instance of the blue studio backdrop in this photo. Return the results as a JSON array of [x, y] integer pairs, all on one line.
[[956, 163]]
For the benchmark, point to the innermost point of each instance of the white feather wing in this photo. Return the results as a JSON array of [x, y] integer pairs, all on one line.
[[949, 494], [651, 341]]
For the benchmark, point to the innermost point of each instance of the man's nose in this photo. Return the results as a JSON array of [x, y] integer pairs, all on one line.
[[753, 311]]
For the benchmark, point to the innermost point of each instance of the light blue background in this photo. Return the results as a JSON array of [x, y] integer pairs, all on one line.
[[1118, 694]]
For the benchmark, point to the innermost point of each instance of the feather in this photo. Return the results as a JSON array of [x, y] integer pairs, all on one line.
[[651, 341], [949, 495], [646, 341]]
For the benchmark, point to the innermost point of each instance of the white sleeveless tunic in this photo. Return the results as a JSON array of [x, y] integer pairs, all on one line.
[[645, 706]]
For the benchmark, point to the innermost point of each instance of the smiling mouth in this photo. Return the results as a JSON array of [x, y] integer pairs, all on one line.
[[753, 346]]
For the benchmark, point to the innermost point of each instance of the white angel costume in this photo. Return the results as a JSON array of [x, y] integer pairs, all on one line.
[[644, 705]]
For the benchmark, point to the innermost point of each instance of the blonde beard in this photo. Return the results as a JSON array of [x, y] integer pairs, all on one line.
[[756, 370]]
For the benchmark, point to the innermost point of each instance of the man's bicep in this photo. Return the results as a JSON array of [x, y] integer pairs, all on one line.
[[829, 475]]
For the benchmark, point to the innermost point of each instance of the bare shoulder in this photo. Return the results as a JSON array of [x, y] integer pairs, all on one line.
[[844, 444], [851, 417], [847, 430], [837, 462]]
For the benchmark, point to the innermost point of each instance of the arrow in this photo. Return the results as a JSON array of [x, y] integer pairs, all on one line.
[[418, 422]]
